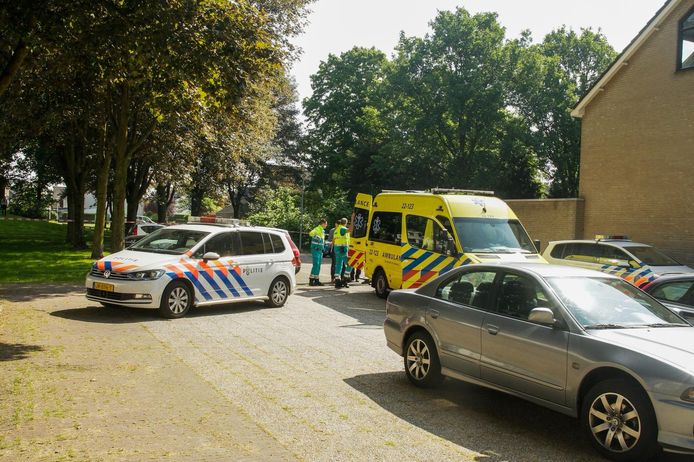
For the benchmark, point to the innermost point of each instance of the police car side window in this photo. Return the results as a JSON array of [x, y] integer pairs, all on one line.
[[386, 227], [614, 255], [222, 244], [587, 253], [252, 243], [277, 244], [558, 250]]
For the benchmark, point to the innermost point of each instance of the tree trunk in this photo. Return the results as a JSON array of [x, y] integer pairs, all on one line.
[[118, 215], [139, 179], [101, 196], [78, 240], [196, 197], [21, 51], [70, 199], [165, 193]]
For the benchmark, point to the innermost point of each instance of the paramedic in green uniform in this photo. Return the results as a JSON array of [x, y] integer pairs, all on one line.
[[341, 246], [317, 235]]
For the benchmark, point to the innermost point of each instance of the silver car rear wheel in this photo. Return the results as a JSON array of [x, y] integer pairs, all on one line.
[[422, 360], [418, 359]]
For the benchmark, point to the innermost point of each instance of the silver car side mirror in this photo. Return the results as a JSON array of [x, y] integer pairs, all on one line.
[[210, 256], [543, 316]]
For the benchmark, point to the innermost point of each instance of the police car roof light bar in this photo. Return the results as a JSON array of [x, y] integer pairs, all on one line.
[[611, 237], [213, 220]]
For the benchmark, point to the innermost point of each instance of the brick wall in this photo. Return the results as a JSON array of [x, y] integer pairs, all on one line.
[[550, 219], [637, 148]]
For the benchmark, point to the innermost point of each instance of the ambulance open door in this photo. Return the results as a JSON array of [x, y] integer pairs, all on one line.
[[358, 232]]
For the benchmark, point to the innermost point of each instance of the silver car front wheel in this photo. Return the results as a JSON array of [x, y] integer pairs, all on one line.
[[619, 418], [615, 422]]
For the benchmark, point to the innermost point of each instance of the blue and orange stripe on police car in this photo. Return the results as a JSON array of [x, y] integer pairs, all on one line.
[[639, 277], [211, 281]]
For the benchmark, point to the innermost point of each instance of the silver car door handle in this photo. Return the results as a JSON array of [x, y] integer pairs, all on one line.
[[492, 329], [434, 314]]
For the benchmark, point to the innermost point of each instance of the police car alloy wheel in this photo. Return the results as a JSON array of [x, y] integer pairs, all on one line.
[[176, 300], [278, 293]]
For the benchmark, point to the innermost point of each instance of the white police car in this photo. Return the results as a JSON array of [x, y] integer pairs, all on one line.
[[198, 264], [637, 263]]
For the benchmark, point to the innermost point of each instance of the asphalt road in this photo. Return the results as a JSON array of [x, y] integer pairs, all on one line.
[[317, 378]]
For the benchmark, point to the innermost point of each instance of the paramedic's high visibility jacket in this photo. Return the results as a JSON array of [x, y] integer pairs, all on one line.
[[341, 236], [317, 236]]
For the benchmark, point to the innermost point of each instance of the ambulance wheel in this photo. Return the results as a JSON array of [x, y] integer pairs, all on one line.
[[381, 284], [176, 300], [278, 293]]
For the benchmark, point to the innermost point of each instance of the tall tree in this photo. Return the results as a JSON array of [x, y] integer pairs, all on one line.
[[342, 111], [550, 78]]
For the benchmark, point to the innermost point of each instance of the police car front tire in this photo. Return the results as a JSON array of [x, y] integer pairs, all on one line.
[[176, 300], [278, 293]]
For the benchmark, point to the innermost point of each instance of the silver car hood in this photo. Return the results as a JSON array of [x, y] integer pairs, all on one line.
[[674, 345]]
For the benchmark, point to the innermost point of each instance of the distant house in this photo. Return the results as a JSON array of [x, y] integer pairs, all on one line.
[[637, 138], [59, 205]]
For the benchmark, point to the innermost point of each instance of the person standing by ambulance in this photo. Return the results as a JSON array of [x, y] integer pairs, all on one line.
[[341, 247], [317, 235]]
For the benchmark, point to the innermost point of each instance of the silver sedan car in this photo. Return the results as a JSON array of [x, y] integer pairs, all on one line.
[[578, 341]]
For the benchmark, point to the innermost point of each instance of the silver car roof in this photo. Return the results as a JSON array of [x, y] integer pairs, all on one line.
[[547, 270]]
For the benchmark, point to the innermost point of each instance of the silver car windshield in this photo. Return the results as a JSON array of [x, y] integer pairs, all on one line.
[[605, 303], [170, 241], [493, 235]]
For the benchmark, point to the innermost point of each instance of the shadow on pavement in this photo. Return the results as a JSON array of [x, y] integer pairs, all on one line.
[[363, 306], [494, 424], [126, 315], [498, 426], [27, 292], [16, 351]]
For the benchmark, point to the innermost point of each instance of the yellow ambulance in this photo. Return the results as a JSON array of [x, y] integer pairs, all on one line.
[[413, 236]]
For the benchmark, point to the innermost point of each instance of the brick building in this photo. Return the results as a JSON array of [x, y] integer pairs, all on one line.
[[637, 138]]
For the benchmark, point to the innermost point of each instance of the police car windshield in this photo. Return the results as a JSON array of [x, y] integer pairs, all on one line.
[[170, 241], [652, 256], [493, 235]]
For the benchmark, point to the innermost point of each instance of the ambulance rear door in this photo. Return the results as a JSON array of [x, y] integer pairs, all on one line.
[[360, 225]]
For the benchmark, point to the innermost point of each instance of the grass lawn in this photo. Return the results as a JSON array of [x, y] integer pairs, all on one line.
[[36, 251]]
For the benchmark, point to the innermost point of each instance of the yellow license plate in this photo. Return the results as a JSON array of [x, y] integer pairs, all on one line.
[[103, 286]]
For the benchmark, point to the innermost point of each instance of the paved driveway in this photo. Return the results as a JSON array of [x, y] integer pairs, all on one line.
[[316, 379]]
